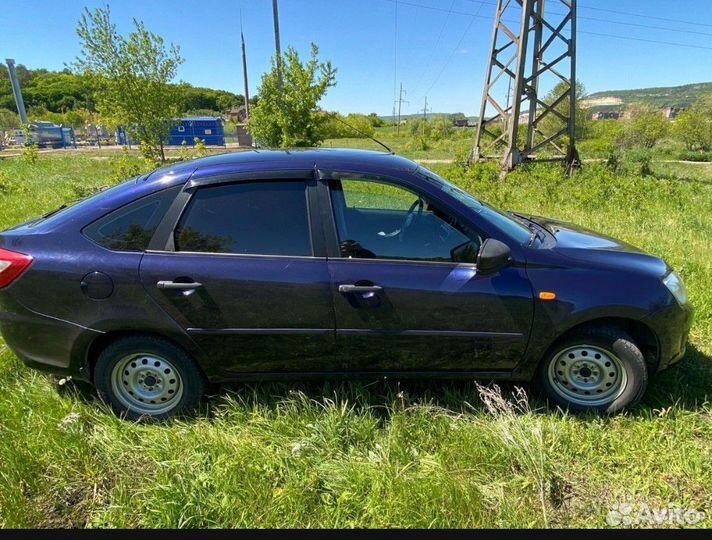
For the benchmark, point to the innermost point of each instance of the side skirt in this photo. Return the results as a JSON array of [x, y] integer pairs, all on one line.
[[373, 375]]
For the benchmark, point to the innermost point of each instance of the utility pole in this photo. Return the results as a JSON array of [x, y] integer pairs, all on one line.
[[425, 109], [524, 67], [425, 115], [400, 102], [277, 46], [244, 72], [15, 83]]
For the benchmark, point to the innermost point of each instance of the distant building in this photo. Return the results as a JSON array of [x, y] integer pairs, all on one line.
[[209, 129], [462, 122], [672, 112], [606, 115]]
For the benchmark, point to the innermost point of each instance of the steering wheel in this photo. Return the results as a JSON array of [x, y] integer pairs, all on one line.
[[411, 217]]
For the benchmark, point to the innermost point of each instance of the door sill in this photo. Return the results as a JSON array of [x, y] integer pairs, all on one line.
[[232, 376]]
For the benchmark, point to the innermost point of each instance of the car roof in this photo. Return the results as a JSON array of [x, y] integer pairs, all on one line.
[[276, 160]]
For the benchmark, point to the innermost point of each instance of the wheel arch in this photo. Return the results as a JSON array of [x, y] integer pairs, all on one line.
[[101, 342], [644, 337]]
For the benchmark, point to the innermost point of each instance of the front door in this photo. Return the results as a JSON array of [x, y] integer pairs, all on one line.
[[407, 293], [243, 281]]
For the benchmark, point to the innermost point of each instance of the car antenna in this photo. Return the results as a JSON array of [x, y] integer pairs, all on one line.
[[336, 117]]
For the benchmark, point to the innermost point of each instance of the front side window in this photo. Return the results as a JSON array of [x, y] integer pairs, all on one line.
[[131, 227], [252, 218], [381, 220], [500, 220]]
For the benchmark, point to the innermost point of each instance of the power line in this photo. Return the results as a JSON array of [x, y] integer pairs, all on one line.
[[618, 12], [433, 8], [629, 14], [452, 54], [639, 25], [671, 43], [400, 103], [395, 55], [600, 34], [434, 48]]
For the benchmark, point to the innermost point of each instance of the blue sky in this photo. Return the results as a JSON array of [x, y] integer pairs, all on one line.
[[441, 52]]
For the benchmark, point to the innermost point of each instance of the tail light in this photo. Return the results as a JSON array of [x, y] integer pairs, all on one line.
[[12, 266]]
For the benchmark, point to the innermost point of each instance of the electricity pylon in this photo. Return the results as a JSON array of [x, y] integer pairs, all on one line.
[[541, 51]]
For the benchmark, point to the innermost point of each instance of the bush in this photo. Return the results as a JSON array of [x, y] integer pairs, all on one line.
[[646, 127], [693, 129], [11, 184], [30, 153], [635, 161], [353, 126], [126, 166], [200, 149], [376, 121], [604, 136], [441, 127]]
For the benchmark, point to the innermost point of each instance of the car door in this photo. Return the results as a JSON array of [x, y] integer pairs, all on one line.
[[407, 293], [239, 275]]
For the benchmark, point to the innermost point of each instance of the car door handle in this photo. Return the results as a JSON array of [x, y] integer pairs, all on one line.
[[359, 288], [177, 285]]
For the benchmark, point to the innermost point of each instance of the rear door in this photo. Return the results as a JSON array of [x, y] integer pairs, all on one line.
[[239, 274], [407, 293]]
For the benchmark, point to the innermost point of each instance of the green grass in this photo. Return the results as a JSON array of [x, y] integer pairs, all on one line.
[[375, 454], [406, 145]]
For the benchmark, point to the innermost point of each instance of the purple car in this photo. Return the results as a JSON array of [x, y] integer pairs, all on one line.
[[286, 264]]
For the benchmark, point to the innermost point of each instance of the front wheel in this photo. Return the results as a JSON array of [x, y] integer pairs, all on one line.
[[142, 376], [598, 368]]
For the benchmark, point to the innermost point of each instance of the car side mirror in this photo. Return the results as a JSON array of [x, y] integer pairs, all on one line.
[[465, 253], [493, 256]]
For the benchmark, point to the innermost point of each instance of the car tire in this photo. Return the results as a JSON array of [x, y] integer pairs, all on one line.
[[144, 377], [599, 368]]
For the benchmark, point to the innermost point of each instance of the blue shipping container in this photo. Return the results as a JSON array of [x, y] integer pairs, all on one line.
[[206, 128]]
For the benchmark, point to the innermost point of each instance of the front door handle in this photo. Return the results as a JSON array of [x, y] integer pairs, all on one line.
[[360, 288], [177, 285]]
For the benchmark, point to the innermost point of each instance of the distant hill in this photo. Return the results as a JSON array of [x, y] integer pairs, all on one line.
[[61, 91], [660, 98], [389, 119]]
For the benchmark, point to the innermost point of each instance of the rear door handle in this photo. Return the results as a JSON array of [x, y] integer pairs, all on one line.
[[359, 288], [176, 285]]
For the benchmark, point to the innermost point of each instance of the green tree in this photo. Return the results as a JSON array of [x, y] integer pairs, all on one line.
[[552, 124], [287, 114], [376, 121], [704, 105], [646, 126], [694, 129], [335, 126], [131, 76], [454, 117], [441, 127], [9, 120]]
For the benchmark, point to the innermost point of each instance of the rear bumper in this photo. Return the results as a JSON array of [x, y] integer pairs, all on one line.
[[44, 342], [672, 327]]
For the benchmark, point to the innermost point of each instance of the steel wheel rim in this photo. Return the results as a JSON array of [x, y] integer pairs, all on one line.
[[587, 375], [146, 383]]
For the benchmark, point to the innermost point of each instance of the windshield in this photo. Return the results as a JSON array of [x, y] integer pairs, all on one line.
[[509, 226]]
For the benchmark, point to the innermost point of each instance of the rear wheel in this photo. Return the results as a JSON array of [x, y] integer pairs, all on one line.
[[142, 376], [597, 368]]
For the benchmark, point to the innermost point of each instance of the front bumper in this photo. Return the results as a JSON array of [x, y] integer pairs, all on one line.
[[672, 326]]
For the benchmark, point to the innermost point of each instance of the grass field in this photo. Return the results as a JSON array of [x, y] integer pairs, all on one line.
[[376, 454]]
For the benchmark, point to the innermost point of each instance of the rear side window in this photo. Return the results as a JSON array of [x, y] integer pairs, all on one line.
[[256, 218], [131, 227]]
